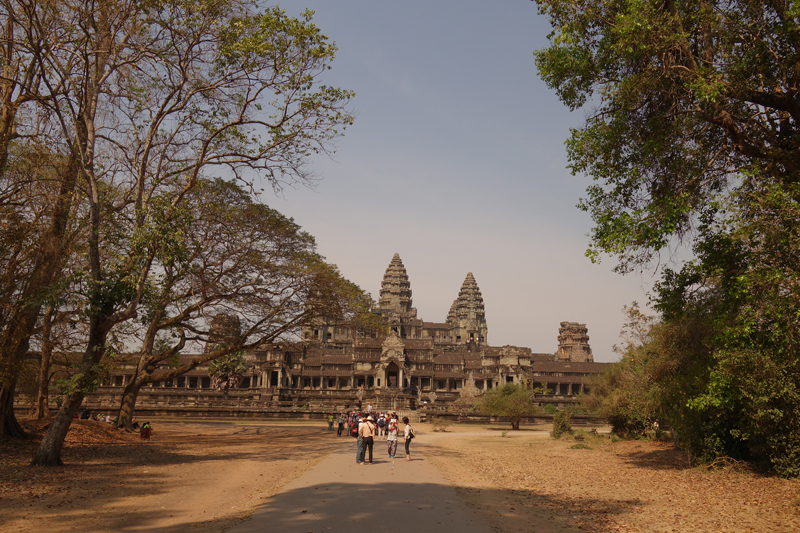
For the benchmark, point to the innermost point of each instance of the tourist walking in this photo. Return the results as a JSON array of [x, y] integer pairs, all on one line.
[[382, 425], [340, 423], [367, 432], [408, 433], [391, 437], [360, 450]]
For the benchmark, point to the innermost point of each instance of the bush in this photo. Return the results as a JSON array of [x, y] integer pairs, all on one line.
[[441, 423], [512, 400], [561, 423], [550, 409]]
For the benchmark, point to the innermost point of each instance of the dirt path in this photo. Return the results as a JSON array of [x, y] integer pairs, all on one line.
[[207, 478], [338, 495], [190, 477]]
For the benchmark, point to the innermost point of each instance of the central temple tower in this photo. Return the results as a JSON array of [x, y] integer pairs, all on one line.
[[395, 297], [467, 315]]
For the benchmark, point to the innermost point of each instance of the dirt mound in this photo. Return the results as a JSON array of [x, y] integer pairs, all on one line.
[[82, 432]]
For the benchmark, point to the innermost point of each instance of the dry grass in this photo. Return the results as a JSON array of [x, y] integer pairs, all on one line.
[[629, 486]]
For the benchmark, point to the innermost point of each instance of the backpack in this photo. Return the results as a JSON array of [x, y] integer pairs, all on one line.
[[382, 422], [354, 430], [411, 433]]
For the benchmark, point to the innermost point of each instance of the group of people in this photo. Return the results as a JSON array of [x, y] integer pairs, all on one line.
[[367, 428]]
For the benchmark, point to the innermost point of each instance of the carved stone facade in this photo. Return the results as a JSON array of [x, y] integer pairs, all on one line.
[[573, 343], [418, 362]]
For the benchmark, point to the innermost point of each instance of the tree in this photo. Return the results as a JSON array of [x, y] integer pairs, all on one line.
[[239, 259], [226, 373], [512, 400], [39, 225], [146, 98], [691, 101], [693, 139]]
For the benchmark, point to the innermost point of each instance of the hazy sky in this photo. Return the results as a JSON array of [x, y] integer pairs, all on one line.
[[457, 162]]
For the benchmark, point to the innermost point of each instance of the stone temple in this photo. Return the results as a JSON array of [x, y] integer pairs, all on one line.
[[416, 364]]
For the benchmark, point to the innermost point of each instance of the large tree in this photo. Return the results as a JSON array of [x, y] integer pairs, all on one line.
[[692, 138], [513, 401], [241, 259], [144, 98]]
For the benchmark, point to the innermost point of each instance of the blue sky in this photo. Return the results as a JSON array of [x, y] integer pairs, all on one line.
[[457, 162]]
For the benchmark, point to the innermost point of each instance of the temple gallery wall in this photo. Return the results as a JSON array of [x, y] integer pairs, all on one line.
[[417, 364]]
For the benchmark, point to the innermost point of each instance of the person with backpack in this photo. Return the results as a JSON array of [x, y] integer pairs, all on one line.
[[381, 426], [409, 434]]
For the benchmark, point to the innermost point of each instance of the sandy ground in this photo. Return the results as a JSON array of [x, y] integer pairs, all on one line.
[[526, 477], [208, 477], [190, 477]]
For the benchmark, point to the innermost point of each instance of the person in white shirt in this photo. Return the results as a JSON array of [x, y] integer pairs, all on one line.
[[391, 436], [408, 437], [367, 432]]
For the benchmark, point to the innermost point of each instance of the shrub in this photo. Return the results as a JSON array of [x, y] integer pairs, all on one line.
[[561, 423], [441, 423], [550, 409]]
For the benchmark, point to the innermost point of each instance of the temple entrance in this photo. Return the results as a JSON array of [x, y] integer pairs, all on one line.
[[392, 373]]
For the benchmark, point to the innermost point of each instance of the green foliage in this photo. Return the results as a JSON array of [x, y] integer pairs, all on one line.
[[682, 96], [562, 423], [512, 400], [692, 139], [580, 446], [226, 372], [550, 409]]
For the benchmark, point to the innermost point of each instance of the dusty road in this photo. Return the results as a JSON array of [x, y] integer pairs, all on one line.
[[208, 478]]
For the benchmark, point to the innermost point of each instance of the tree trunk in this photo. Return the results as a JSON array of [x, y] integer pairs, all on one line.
[[49, 452], [515, 422], [43, 394], [9, 426], [126, 408]]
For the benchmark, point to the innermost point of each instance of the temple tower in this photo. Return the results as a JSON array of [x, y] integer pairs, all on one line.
[[573, 343], [225, 330], [467, 314], [395, 297], [395, 288]]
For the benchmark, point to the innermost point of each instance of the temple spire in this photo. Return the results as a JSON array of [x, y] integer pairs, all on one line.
[[395, 292], [467, 314]]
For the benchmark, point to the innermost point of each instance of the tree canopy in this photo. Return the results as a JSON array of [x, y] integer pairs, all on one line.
[[512, 401], [692, 138], [131, 106]]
